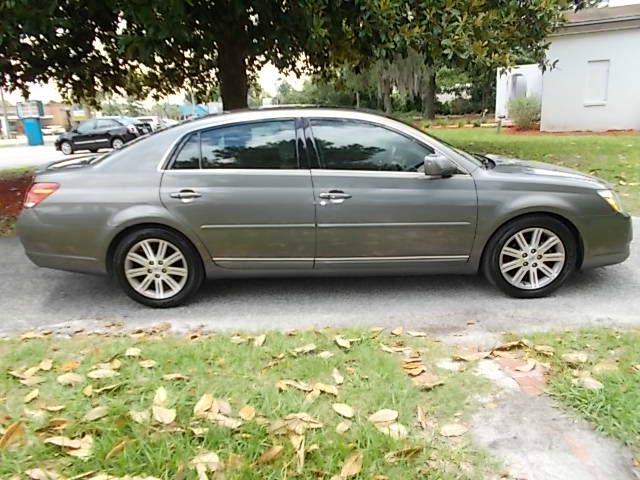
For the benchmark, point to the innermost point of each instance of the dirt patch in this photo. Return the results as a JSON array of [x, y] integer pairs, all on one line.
[[12, 192]]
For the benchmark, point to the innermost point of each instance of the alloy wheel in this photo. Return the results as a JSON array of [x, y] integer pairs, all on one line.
[[156, 268], [66, 148], [532, 258], [117, 143]]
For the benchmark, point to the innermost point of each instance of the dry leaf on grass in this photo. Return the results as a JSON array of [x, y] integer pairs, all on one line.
[[147, 363], [384, 416], [70, 378], [394, 430], [259, 340], [588, 382], [139, 416], [79, 448], [427, 380], [343, 427], [453, 430], [421, 417], [342, 342], [31, 396], [175, 376], [12, 435], [32, 381], [575, 358], [206, 462], [160, 397], [403, 454], [343, 410], [416, 333], [325, 354], [338, 379], [117, 448], [527, 367], [46, 364], [297, 442], [54, 408], [544, 349], [95, 414], [41, 474], [270, 454], [163, 415], [54, 425], [285, 384], [295, 422], [470, 356], [247, 413], [308, 348], [636, 368], [70, 365], [133, 352], [102, 373], [352, 465], [397, 331], [204, 405]]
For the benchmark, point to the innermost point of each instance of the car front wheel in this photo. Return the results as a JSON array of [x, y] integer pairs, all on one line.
[[531, 256], [66, 148], [157, 267]]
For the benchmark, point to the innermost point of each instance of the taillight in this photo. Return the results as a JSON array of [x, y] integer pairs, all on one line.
[[38, 192]]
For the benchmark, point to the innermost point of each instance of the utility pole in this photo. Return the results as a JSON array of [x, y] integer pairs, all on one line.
[[5, 130]]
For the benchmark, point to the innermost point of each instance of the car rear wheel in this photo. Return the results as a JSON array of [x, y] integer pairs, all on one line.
[[117, 143], [531, 257], [66, 148], [157, 267]]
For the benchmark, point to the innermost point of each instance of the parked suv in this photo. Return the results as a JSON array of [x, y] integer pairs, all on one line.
[[104, 132]]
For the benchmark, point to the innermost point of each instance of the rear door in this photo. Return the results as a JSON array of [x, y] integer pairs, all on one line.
[[377, 207], [243, 189], [103, 130], [85, 135]]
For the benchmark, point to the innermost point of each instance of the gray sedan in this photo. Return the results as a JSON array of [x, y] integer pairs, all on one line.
[[309, 191]]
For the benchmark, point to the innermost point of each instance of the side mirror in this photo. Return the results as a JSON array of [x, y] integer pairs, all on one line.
[[439, 166]]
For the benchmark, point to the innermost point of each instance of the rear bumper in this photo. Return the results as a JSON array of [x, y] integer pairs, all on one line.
[[606, 239]]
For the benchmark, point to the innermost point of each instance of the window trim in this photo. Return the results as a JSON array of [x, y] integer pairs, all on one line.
[[316, 152], [174, 150]]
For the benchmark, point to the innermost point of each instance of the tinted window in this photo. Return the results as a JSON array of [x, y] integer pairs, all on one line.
[[107, 123], [87, 126], [251, 145], [353, 145], [189, 154]]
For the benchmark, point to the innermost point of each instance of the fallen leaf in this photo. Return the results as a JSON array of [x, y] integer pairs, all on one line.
[[40, 474], [70, 365], [175, 376], [203, 405], [227, 422], [199, 431], [31, 396], [46, 364], [55, 425], [343, 427], [416, 333], [312, 396], [13, 434], [70, 378], [284, 384], [247, 413], [507, 346], [427, 380], [139, 416], [117, 448], [343, 410], [544, 349], [95, 414], [471, 356], [352, 465], [206, 462], [397, 331], [308, 348], [575, 358], [86, 446], [163, 415], [325, 388], [636, 368], [32, 381], [133, 352], [259, 340], [295, 422], [394, 430], [403, 454], [54, 408], [337, 377], [342, 342], [422, 417], [589, 383], [102, 373], [384, 416], [526, 367], [297, 442], [270, 454], [325, 354], [160, 397], [453, 430], [65, 442], [147, 363], [87, 391]]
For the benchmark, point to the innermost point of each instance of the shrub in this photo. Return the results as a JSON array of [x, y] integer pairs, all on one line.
[[525, 112]]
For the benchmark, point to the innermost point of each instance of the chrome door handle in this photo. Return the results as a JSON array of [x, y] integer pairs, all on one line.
[[336, 197], [185, 195]]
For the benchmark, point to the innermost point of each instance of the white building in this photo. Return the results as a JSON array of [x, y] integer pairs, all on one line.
[[595, 84]]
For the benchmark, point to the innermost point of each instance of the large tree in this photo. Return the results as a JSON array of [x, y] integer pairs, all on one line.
[[140, 48]]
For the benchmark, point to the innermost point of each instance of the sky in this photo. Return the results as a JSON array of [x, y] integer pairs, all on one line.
[[269, 78]]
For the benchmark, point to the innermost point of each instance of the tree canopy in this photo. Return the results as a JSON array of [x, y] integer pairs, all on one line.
[[141, 48]]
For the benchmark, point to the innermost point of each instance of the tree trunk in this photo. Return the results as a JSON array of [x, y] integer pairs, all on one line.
[[357, 99], [386, 96], [232, 76], [428, 94]]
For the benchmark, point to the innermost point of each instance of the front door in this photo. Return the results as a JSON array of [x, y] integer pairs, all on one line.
[[376, 206], [242, 189], [85, 136], [101, 133]]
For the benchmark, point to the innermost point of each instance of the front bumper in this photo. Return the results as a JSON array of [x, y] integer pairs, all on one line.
[[606, 239]]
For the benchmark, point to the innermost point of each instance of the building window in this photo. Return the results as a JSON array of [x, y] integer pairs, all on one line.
[[597, 82]]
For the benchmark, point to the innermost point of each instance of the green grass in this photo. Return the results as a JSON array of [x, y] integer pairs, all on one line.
[[614, 409], [373, 380], [16, 172], [615, 158]]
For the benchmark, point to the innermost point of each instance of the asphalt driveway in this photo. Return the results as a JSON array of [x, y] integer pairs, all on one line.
[[31, 297]]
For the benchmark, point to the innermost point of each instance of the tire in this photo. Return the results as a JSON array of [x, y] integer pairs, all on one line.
[[117, 143], [93, 150], [188, 281], [539, 272], [66, 148]]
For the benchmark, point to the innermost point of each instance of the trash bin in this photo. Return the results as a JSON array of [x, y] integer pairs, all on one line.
[[33, 131]]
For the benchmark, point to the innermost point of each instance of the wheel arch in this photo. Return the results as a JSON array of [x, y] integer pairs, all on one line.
[[568, 223]]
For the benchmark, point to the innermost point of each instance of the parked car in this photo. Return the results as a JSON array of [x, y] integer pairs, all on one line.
[[53, 130], [300, 191], [156, 122], [103, 132]]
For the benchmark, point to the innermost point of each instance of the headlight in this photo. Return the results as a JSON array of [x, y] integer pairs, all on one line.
[[612, 199]]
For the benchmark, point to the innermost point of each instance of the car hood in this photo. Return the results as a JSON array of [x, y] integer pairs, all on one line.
[[528, 167]]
